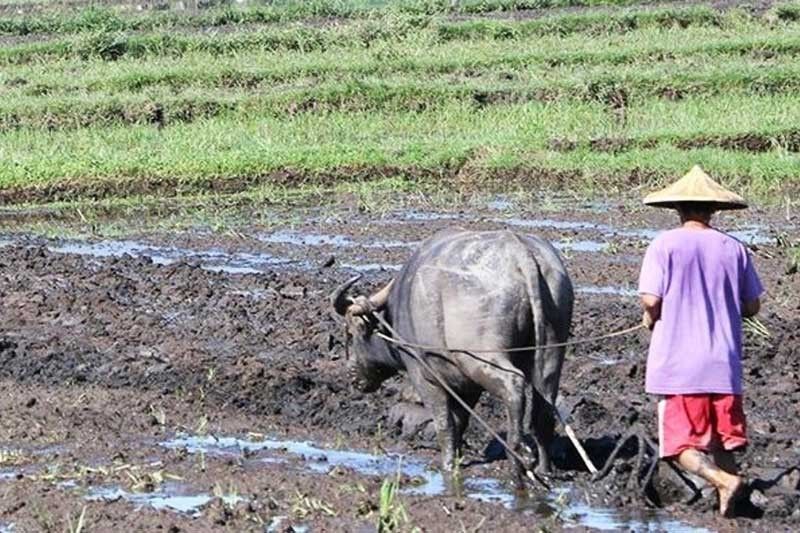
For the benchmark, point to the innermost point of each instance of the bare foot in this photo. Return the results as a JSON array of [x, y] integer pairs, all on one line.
[[729, 495]]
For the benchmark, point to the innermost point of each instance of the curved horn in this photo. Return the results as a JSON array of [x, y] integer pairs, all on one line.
[[339, 299], [378, 300]]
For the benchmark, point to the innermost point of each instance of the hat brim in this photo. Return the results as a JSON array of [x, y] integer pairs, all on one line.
[[673, 203]]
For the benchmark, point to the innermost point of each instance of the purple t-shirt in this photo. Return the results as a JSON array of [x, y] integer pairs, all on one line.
[[702, 276]]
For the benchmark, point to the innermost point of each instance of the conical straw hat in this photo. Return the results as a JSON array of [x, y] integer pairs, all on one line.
[[696, 186]]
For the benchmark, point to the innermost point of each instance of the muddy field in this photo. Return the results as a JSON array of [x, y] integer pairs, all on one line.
[[195, 382]]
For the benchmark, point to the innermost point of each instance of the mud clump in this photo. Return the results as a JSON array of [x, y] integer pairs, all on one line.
[[750, 142]]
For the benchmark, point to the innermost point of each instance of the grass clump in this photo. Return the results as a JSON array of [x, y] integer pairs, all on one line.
[[392, 515], [595, 23]]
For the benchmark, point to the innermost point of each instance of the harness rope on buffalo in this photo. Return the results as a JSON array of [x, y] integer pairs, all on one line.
[[394, 338]]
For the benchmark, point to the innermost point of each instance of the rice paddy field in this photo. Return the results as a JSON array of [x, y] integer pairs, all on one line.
[[183, 183]]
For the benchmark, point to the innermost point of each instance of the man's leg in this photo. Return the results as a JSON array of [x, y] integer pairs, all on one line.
[[730, 429], [686, 429], [729, 485]]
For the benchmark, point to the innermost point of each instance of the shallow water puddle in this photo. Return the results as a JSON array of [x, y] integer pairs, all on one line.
[[316, 459], [170, 496], [428, 216], [428, 482], [216, 260], [500, 203], [752, 234], [547, 223], [322, 460], [581, 514], [342, 241], [749, 234], [581, 246], [158, 255], [605, 360], [503, 202], [597, 289], [371, 267], [212, 260], [297, 238], [276, 525]]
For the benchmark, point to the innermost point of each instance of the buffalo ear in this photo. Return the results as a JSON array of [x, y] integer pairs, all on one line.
[[339, 298]]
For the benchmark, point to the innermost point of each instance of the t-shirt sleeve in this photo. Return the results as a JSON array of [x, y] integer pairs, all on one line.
[[651, 277], [751, 284]]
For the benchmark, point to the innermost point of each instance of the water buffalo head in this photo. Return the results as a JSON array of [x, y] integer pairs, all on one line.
[[368, 358]]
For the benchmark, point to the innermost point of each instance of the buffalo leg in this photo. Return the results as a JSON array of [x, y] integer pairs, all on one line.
[[514, 394], [436, 400], [507, 383], [543, 428], [544, 390], [460, 417], [443, 422]]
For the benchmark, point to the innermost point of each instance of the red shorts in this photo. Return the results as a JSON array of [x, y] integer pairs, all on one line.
[[700, 421]]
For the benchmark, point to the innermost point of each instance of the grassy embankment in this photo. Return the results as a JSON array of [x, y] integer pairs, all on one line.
[[121, 105]]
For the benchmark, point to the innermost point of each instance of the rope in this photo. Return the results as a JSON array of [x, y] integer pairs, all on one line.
[[395, 340], [465, 405]]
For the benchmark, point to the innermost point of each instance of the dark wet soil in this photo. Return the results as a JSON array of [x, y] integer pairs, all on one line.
[[104, 356], [788, 140]]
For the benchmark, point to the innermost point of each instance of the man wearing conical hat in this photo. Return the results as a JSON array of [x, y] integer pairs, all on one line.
[[696, 285]]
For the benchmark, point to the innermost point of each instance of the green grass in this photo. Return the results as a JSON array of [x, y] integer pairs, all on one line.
[[119, 104], [109, 19], [414, 75], [246, 147], [392, 515], [420, 56], [54, 100], [111, 43]]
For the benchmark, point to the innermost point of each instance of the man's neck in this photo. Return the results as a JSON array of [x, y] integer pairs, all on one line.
[[696, 224]]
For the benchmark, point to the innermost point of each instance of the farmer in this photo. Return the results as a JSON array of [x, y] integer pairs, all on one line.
[[696, 284]]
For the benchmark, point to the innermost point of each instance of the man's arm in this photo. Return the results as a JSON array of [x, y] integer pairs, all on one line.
[[751, 308], [652, 309], [751, 289], [652, 279]]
